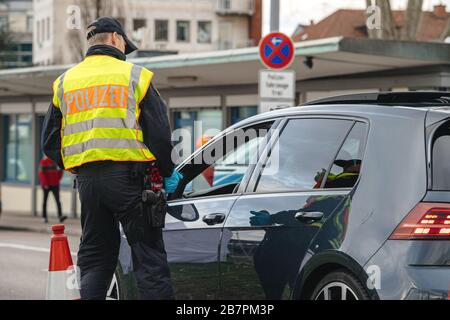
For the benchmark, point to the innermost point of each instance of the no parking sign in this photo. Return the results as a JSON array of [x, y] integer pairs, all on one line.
[[276, 87], [276, 50]]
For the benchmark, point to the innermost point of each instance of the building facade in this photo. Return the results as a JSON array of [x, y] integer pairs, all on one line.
[[16, 19], [167, 26]]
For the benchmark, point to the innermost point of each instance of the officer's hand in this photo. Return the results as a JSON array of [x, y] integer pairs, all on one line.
[[171, 184]]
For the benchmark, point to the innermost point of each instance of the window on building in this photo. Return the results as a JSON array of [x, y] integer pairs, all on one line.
[[18, 148], [3, 22], [30, 23], [225, 35], [204, 32], [42, 30], [161, 30], [240, 113], [225, 4], [139, 24], [67, 179], [28, 59], [38, 31], [26, 47], [195, 124], [48, 29], [183, 31], [122, 21], [303, 154]]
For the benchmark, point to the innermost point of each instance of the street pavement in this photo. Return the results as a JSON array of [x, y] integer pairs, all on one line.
[[24, 255]]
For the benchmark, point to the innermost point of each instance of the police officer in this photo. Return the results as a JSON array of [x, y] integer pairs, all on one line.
[[106, 118]]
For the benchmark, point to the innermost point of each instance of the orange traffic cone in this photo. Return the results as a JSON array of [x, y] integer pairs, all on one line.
[[62, 281]]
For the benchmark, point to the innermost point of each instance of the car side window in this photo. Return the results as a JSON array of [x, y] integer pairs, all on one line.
[[347, 166], [303, 154], [441, 158], [225, 162]]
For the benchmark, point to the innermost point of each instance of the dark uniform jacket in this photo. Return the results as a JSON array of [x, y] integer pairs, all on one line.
[[153, 121]]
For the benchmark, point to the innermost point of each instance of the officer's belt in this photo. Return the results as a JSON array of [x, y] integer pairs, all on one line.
[[104, 167]]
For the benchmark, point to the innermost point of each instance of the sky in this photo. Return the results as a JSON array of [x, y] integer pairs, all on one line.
[[294, 12]]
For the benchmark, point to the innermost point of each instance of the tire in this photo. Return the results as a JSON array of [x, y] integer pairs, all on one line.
[[123, 287], [332, 286], [115, 289]]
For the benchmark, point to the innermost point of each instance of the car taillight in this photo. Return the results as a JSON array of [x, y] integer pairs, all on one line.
[[427, 221]]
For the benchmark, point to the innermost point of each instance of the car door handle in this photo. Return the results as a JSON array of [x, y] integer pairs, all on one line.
[[213, 219], [308, 217]]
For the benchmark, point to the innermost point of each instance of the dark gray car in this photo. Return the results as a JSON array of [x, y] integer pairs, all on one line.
[[349, 198]]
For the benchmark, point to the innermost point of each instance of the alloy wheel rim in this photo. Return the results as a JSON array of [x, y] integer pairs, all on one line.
[[113, 291], [336, 291]]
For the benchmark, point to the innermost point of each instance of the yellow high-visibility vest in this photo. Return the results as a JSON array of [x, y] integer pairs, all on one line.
[[99, 100]]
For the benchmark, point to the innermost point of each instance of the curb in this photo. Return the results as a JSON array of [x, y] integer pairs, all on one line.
[[46, 230]]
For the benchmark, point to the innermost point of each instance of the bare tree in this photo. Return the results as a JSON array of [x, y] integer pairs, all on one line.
[[389, 28], [6, 39], [446, 32], [372, 32], [412, 19], [7, 44], [90, 10]]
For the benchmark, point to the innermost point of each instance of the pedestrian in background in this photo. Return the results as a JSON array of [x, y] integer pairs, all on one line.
[[50, 177]]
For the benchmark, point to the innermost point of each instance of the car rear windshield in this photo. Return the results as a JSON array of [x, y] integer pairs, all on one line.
[[441, 158]]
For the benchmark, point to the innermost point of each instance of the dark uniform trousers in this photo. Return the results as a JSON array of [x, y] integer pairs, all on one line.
[[55, 191], [109, 195]]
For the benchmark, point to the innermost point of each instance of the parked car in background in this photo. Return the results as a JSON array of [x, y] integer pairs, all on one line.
[[348, 199]]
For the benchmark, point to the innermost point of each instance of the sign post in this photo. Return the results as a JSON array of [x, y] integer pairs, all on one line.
[[276, 87]]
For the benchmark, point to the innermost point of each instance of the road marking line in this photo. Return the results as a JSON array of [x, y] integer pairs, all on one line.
[[29, 248]]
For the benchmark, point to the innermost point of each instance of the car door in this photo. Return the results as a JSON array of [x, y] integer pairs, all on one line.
[[271, 226], [196, 216]]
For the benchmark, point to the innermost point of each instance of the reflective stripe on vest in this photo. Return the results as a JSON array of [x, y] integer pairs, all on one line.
[[99, 100], [345, 175]]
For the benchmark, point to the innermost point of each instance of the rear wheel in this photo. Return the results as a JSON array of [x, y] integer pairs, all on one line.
[[114, 289], [122, 287], [340, 285]]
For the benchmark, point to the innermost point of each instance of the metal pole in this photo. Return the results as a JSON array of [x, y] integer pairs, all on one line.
[[73, 209], [2, 149], [223, 104], [35, 160], [274, 15]]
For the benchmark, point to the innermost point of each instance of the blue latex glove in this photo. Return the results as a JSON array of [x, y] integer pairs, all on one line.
[[171, 184], [261, 218]]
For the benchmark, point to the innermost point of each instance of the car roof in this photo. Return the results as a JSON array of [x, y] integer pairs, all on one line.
[[407, 104], [414, 99]]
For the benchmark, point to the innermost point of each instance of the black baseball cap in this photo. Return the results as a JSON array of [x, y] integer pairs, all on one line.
[[110, 25]]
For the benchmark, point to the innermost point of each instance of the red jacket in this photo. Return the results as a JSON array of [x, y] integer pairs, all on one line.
[[49, 173]]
